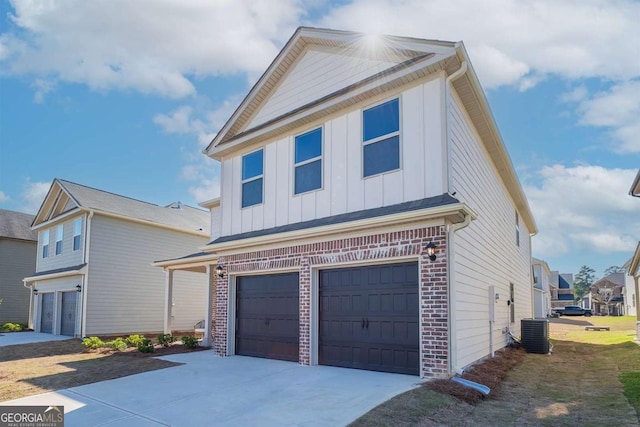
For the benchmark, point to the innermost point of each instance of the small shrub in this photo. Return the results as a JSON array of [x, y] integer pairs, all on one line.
[[11, 327], [146, 346], [190, 341], [166, 339], [117, 344], [134, 340], [93, 343]]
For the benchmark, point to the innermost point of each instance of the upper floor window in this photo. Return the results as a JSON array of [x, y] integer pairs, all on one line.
[[252, 178], [517, 230], [77, 232], [59, 234], [45, 243], [381, 138], [308, 161]]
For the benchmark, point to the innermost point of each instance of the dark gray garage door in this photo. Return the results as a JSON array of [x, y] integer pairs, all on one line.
[[46, 314], [68, 318], [369, 318], [267, 316]]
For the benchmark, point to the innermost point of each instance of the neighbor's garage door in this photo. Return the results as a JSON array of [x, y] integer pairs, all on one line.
[[369, 318], [267, 316]]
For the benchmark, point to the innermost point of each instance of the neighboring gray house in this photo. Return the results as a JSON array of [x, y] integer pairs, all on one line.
[[94, 273], [370, 216], [563, 293], [607, 295], [17, 259]]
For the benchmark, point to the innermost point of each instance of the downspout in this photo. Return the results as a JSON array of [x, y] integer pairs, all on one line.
[[453, 336], [87, 244], [452, 228], [447, 94], [30, 321]]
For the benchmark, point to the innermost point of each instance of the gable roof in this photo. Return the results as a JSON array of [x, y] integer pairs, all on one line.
[[400, 60], [65, 197], [16, 225]]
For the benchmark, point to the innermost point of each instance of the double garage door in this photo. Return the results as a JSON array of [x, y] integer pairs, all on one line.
[[368, 317], [67, 313]]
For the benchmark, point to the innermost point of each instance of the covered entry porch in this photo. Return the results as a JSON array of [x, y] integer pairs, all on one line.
[[201, 262]]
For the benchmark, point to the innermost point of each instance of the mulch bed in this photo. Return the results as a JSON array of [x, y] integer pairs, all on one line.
[[489, 372], [158, 351]]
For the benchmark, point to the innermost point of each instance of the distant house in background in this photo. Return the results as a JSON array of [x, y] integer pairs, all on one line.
[[93, 273], [607, 295], [542, 288], [17, 259], [564, 285]]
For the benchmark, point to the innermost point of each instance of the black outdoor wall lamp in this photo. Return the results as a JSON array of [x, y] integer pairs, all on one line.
[[78, 288], [431, 251], [220, 271], [35, 291]]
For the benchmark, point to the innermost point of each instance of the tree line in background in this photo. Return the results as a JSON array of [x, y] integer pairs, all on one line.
[[585, 278]]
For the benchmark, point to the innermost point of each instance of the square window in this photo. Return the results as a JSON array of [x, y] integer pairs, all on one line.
[[308, 161], [382, 156], [252, 193], [381, 138]]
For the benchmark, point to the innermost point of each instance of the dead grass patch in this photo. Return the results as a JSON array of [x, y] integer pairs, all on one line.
[[30, 369]]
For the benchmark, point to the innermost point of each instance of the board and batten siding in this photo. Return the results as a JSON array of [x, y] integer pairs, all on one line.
[[319, 72], [68, 257], [344, 189], [485, 252], [17, 261], [125, 293]]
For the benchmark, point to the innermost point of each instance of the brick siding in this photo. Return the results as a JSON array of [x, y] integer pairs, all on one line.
[[381, 247]]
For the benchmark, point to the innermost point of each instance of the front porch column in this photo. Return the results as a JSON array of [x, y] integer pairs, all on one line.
[[206, 340], [168, 300]]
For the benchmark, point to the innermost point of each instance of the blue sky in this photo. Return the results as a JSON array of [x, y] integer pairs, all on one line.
[[123, 96]]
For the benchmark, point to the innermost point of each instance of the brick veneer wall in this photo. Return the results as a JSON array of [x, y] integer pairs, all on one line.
[[434, 333]]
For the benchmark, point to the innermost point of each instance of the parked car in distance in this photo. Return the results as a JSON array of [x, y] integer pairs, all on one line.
[[573, 310]]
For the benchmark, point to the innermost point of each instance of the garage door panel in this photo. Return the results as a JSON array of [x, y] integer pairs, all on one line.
[[380, 325], [267, 316]]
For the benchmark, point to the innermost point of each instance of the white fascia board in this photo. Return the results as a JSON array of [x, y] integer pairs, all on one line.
[[82, 271], [181, 263], [440, 212], [59, 218]]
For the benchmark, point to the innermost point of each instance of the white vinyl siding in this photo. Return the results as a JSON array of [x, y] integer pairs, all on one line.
[[326, 70], [68, 257], [484, 253], [125, 292], [344, 189], [17, 261]]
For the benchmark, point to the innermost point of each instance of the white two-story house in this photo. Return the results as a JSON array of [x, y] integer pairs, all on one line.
[[94, 272], [370, 216]]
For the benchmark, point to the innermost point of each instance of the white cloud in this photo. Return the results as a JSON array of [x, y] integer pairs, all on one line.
[[511, 40], [617, 109], [33, 194], [583, 209], [42, 88], [4, 198], [150, 46]]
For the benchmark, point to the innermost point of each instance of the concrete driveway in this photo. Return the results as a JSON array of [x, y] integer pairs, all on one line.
[[227, 391], [13, 338]]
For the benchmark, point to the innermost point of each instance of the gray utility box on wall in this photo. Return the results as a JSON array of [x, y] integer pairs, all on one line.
[[535, 335]]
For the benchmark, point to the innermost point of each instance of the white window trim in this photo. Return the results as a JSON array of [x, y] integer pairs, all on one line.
[[253, 178], [59, 230], [79, 234], [45, 243], [304, 162], [397, 133]]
